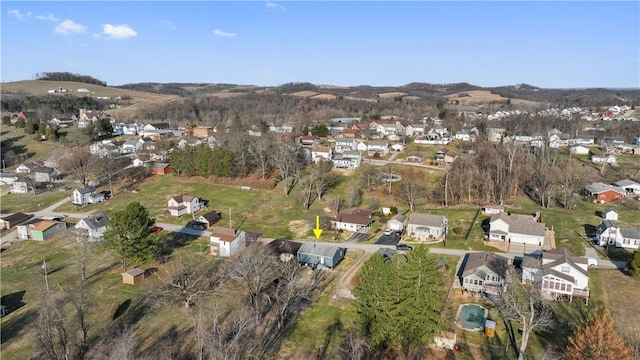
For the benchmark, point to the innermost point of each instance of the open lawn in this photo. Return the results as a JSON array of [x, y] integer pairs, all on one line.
[[11, 203], [25, 147], [23, 283]]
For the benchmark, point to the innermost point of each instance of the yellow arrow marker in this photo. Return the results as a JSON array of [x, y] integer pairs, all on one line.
[[317, 230]]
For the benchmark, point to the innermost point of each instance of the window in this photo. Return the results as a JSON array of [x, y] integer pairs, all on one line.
[[566, 269]]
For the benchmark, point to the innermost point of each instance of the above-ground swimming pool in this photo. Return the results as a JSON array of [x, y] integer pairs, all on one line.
[[471, 317]]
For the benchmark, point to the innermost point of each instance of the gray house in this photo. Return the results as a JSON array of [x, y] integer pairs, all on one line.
[[320, 255], [484, 271], [46, 174], [92, 227]]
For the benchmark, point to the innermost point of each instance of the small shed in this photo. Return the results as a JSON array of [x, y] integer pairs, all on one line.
[[7, 222], [610, 214], [133, 276], [160, 168]]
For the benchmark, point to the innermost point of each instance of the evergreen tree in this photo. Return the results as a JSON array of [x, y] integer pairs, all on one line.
[[203, 160], [633, 267], [128, 235], [598, 340]]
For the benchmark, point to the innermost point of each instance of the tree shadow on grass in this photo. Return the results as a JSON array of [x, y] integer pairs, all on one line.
[[173, 240], [330, 333], [15, 324]]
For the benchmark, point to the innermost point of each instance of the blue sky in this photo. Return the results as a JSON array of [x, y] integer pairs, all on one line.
[[547, 44]]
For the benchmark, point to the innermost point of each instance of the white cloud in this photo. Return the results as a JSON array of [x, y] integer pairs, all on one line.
[[121, 31], [49, 17], [19, 15], [69, 27], [272, 5], [220, 33]]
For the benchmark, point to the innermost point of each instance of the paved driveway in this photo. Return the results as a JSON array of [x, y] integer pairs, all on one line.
[[358, 237], [388, 240]]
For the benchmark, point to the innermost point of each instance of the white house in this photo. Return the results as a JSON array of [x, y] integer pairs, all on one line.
[[320, 153], [523, 229], [396, 223], [22, 185], [353, 219], [137, 162], [630, 187], [228, 242], [27, 168], [131, 147], [381, 148], [427, 226], [7, 178], [610, 214], [397, 147], [345, 144], [484, 271], [609, 159], [93, 226], [86, 195], [184, 204], [609, 233], [579, 150], [558, 273]]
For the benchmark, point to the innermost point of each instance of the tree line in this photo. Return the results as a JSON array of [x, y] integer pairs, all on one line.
[[67, 76]]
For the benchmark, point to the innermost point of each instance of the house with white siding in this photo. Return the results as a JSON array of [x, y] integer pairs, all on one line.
[[558, 273], [425, 227], [523, 229]]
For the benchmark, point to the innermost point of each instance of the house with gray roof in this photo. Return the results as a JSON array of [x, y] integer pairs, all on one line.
[[522, 229], [425, 227], [396, 223], [484, 271], [46, 174], [92, 227], [86, 195], [22, 185], [558, 273], [609, 233], [320, 255], [630, 187]]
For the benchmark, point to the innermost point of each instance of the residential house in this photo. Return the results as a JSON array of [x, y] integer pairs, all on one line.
[[286, 250], [28, 167], [86, 195], [321, 153], [184, 204], [9, 221], [92, 227], [353, 219], [604, 193], [320, 255], [582, 140], [281, 129], [228, 242], [132, 129], [7, 178], [558, 273], [397, 147], [349, 160], [465, 135], [22, 185], [137, 162], [396, 223], [415, 129], [160, 168], [630, 187], [202, 131], [610, 214], [104, 149], [377, 148], [209, 219], [38, 229], [345, 144], [484, 272], [350, 134], [425, 227], [362, 146], [308, 141], [609, 233], [157, 126], [445, 156], [515, 228], [46, 174], [495, 134], [131, 147], [579, 150], [599, 159]]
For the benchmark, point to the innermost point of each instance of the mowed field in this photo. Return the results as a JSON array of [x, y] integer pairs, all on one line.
[[475, 97], [41, 87]]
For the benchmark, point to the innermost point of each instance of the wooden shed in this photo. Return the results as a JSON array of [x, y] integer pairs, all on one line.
[[133, 276]]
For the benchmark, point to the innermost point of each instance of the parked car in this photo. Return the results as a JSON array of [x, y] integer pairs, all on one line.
[[404, 247], [156, 228], [592, 261], [199, 226], [388, 232]]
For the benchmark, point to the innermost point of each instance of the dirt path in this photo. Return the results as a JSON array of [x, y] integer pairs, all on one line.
[[342, 289]]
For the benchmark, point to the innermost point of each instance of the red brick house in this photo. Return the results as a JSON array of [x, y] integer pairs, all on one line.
[[604, 193], [160, 168]]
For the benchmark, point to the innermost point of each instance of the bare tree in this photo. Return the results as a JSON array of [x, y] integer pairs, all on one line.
[[412, 191], [290, 161], [353, 194], [306, 193], [52, 333], [78, 163], [260, 149], [85, 252], [254, 270], [369, 176], [323, 178], [337, 203], [523, 303], [354, 347], [187, 279]]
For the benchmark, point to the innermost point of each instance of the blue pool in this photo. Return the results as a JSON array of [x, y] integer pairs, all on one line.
[[471, 317]]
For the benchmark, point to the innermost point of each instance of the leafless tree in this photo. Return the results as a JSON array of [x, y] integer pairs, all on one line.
[[290, 161], [85, 252], [369, 176], [353, 194], [260, 150], [337, 203], [323, 178], [254, 270], [187, 279], [52, 331], [523, 303], [353, 347], [79, 163], [412, 191], [306, 193]]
